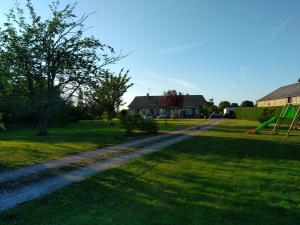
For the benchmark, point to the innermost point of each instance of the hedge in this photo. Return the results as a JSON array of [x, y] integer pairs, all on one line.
[[253, 113]]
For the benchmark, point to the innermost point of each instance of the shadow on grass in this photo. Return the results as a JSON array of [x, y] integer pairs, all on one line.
[[205, 180], [233, 129]]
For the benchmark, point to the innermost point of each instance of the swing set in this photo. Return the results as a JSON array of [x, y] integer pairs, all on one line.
[[289, 112]]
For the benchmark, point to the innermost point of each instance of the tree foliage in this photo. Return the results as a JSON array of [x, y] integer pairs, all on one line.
[[48, 60], [234, 105], [223, 105], [247, 103], [111, 90], [172, 99], [209, 107]]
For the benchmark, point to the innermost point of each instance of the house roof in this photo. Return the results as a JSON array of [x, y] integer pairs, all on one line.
[[155, 101], [292, 90]]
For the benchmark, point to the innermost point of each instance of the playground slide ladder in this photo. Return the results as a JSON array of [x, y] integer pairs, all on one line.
[[289, 112], [280, 118], [294, 121]]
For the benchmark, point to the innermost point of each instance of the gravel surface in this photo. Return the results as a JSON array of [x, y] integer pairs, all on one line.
[[11, 198]]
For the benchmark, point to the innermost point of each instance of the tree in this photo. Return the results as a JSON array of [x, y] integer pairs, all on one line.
[[13, 103], [51, 59], [223, 105], [109, 94], [209, 107], [172, 99], [247, 103], [234, 105]]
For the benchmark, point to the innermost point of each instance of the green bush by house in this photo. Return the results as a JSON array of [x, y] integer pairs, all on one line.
[[255, 113], [147, 126]]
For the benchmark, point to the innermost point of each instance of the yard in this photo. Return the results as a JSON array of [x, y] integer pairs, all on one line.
[[20, 145], [223, 176]]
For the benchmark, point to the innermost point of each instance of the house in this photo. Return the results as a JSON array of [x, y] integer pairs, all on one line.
[[152, 105], [281, 96]]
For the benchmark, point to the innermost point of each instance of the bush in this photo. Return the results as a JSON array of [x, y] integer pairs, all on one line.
[[266, 114], [129, 123], [255, 113], [61, 116], [148, 126], [123, 113]]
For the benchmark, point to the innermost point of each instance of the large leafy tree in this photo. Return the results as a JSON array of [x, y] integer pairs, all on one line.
[[111, 90], [50, 59]]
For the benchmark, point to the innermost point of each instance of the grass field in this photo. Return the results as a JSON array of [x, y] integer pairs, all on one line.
[[224, 176], [21, 146], [173, 124]]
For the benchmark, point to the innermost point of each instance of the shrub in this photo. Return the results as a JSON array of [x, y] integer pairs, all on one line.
[[266, 114], [129, 123], [123, 113], [148, 126], [62, 115]]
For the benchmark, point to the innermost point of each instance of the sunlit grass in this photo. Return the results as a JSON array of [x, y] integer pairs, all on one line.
[[21, 145], [223, 176], [167, 124]]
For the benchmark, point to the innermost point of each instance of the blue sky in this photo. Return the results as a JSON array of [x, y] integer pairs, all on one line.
[[227, 50]]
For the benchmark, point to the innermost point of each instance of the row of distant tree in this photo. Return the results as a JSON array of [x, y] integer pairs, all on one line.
[[227, 104], [51, 69], [210, 106]]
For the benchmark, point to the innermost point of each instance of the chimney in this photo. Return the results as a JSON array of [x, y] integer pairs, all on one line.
[[147, 94], [299, 80]]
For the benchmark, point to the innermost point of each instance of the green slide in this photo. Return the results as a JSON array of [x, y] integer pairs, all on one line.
[[289, 112], [265, 124]]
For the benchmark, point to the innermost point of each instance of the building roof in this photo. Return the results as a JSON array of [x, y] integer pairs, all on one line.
[[292, 90], [155, 101]]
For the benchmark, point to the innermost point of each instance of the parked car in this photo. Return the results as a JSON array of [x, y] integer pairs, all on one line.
[[216, 116]]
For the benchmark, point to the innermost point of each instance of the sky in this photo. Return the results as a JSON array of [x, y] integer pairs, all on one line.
[[222, 49]]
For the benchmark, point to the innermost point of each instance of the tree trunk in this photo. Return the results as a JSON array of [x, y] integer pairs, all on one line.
[[43, 126]]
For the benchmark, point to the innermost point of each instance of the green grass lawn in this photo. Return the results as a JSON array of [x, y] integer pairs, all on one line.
[[21, 146], [173, 124], [223, 176]]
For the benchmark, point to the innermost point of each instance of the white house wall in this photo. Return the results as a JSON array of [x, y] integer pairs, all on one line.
[[279, 102]]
